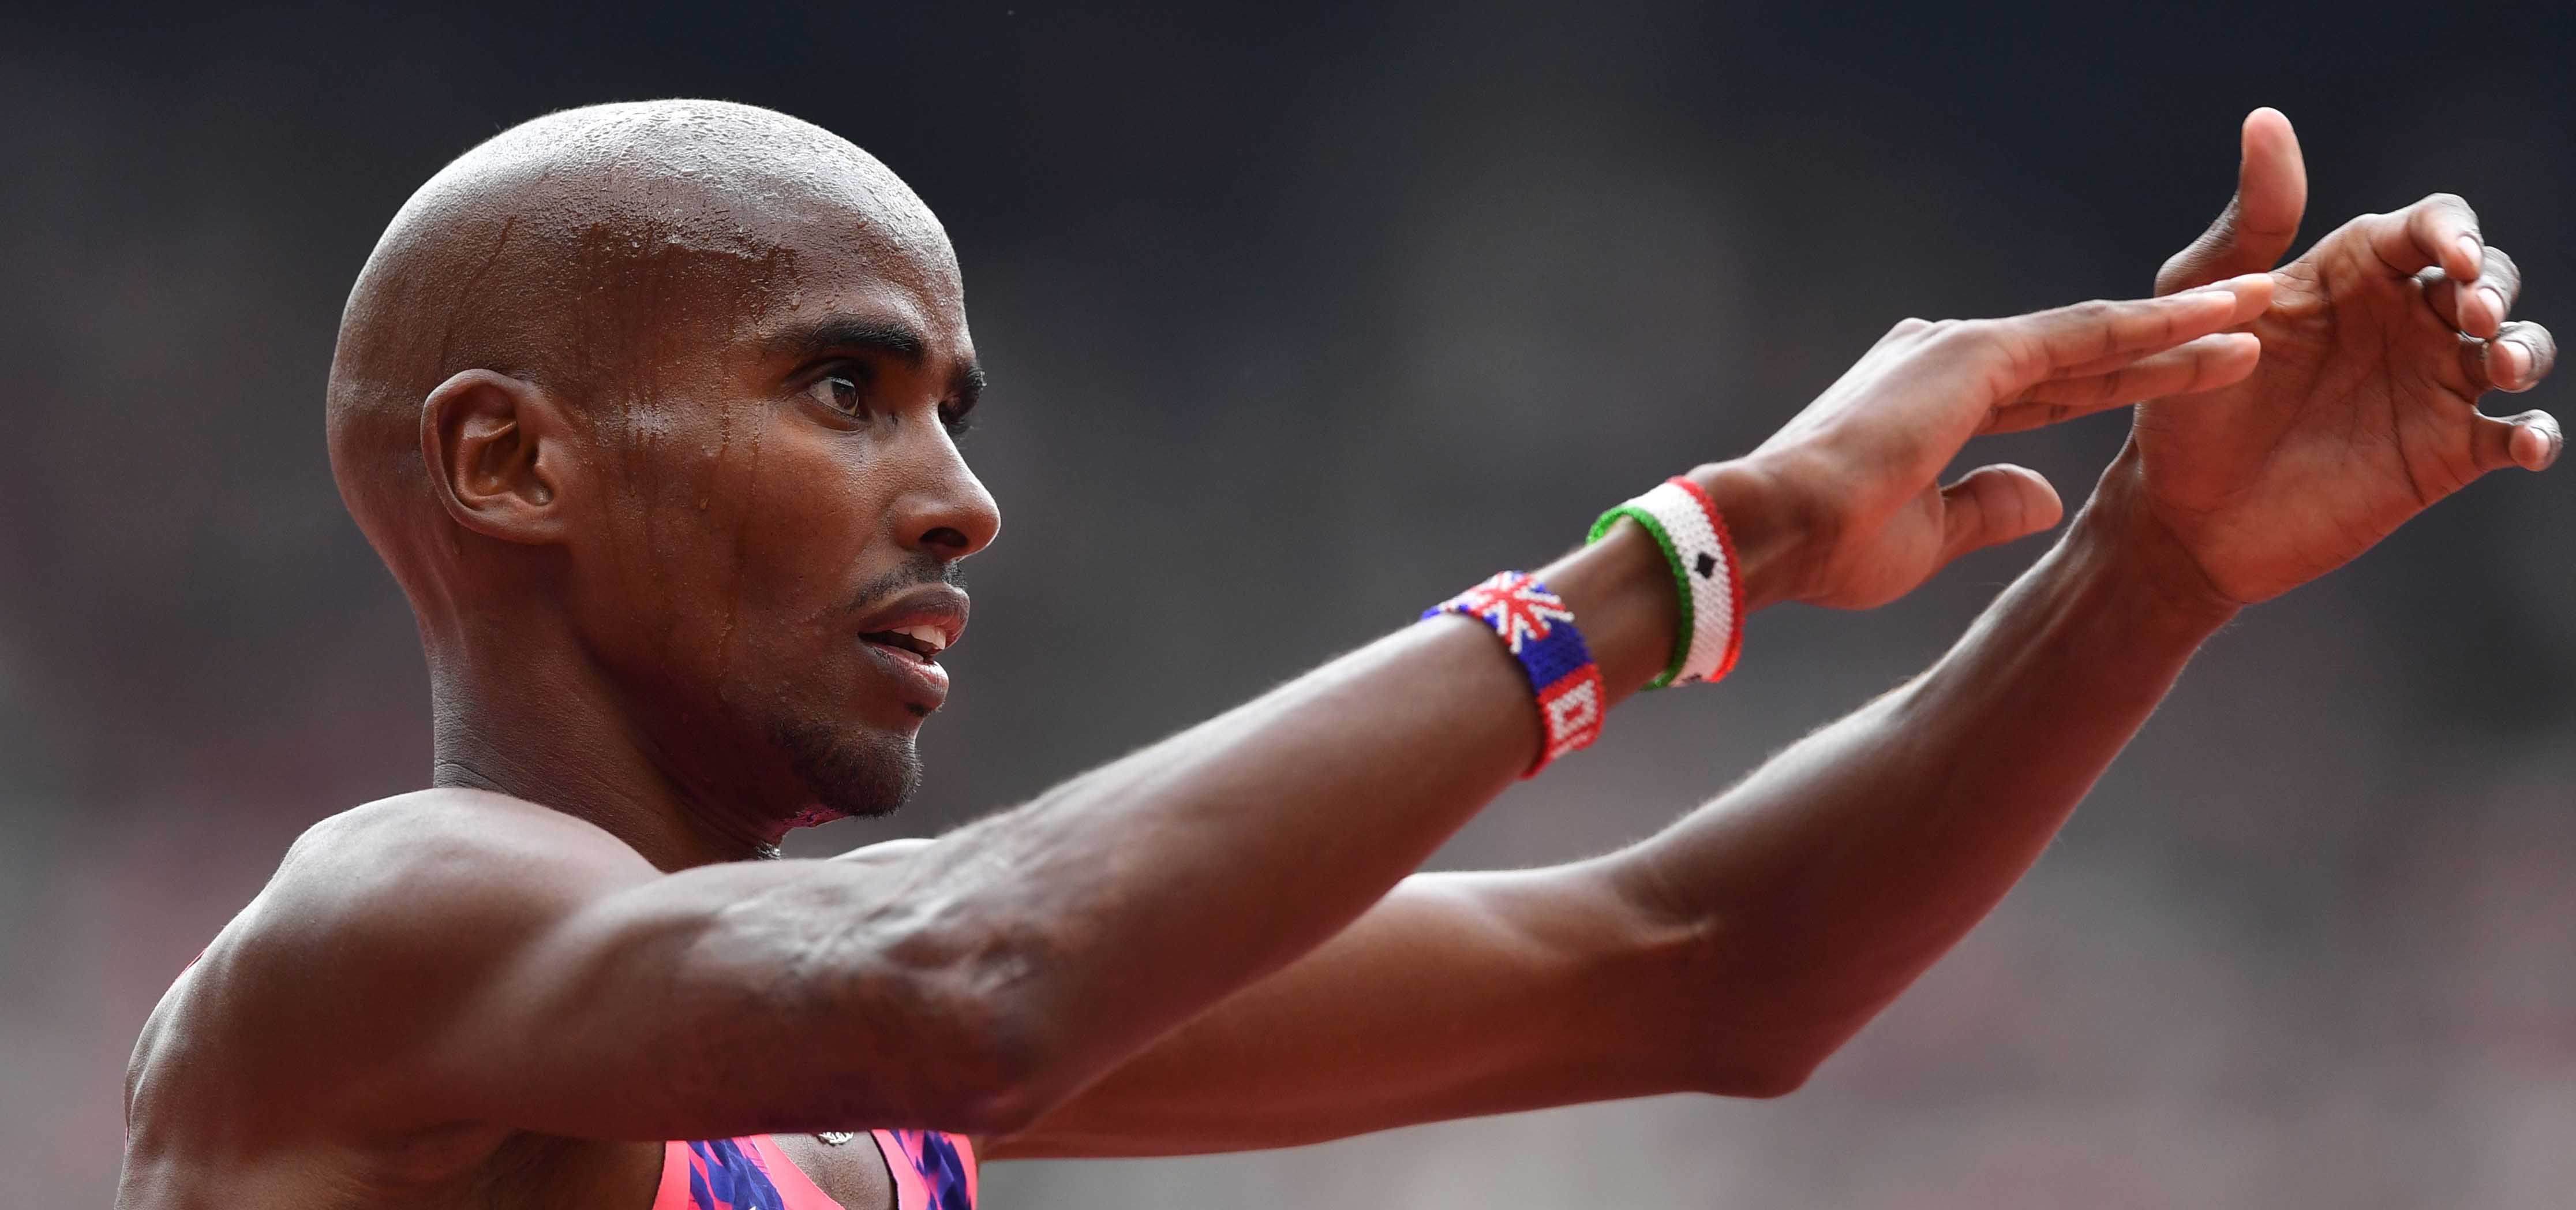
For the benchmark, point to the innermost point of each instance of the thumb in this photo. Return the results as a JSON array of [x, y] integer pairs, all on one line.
[[2255, 230], [1995, 504]]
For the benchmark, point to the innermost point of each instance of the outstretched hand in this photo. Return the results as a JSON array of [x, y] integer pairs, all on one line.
[[1854, 474], [2364, 410]]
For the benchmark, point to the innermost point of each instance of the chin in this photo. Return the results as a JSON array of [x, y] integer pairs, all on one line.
[[848, 771]]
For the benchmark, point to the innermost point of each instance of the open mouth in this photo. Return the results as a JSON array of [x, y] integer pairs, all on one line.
[[924, 642]]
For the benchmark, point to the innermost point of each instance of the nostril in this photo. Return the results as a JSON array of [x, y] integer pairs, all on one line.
[[947, 538]]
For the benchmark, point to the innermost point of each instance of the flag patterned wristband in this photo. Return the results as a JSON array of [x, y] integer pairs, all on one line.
[[1535, 624], [1686, 526]]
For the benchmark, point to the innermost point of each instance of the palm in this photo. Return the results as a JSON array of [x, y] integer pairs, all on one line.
[[2363, 411], [2358, 417]]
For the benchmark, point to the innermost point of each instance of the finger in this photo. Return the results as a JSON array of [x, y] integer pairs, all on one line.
[[2440, 231], [2531, 441], [2253, 297], [2101, 335], [2480, 307], [2516, 360], [2254, 231], [1995, 504], [2205, 364]]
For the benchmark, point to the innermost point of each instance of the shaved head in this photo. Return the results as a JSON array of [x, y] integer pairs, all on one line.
[[624, 381], [570, 249]]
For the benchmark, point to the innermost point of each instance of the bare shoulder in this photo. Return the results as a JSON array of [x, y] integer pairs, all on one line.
[[375, 926], [423, 862]]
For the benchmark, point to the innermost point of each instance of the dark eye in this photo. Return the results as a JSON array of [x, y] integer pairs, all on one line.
[[955, 420], [839, 392]]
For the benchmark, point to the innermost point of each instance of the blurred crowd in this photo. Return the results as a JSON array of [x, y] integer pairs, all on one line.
[[1298, 321]]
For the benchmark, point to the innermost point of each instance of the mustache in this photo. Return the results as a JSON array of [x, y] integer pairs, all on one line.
[[913, 573]]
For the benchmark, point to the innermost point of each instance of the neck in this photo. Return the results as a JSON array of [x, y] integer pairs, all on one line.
[[545, 723]]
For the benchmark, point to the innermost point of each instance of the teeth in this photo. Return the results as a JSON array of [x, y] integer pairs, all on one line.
[[928, 636]]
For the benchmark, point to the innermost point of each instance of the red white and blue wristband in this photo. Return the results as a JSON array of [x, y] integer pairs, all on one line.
[[1538, 628], [1685, 524]]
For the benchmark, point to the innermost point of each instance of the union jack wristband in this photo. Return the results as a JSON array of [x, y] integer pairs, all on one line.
[[1535, 624], [1685, 525]]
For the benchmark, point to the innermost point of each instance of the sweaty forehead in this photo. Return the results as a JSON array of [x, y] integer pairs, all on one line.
[[681, 212]]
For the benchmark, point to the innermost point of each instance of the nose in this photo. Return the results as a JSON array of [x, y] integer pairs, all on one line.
[[945, 512]]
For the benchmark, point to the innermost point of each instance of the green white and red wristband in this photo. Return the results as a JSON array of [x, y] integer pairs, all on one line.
[[1686, 526]]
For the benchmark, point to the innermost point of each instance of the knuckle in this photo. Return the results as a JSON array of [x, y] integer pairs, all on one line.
[[1940, 336], [1970, 339]]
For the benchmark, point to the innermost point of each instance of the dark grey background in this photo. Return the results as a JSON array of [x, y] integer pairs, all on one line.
[[1300, 318]]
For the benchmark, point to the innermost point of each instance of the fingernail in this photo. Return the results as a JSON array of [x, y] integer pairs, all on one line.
[[2548, 446], [2495, 302], [2475, 251], [2518, 361]]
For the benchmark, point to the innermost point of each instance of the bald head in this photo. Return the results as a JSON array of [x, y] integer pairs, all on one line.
[[651, 409], [588, 252]]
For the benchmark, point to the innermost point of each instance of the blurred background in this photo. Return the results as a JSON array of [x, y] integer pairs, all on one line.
[[1299, 318]]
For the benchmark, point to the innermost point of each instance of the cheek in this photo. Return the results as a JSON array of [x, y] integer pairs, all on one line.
[[789, 538]]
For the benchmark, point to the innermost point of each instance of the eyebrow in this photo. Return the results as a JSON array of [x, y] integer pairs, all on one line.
[[892, 338]]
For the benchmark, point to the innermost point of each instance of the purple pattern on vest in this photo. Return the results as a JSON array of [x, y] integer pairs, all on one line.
[[721, 1177], [936, 1159]]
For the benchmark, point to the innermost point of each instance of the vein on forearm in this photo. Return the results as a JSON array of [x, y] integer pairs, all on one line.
[[1827, 880]]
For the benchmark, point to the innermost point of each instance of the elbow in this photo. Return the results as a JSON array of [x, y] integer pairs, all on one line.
[[1008, 1072], [959, 1029], [1768, 1064], [1755, 1050], [1006, 1055], [1737, 1047], [1764, 1078]]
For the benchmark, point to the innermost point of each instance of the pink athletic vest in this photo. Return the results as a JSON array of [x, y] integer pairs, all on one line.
[[932, 1171]]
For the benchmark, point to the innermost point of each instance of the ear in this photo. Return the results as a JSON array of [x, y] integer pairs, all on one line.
[[496, 449]]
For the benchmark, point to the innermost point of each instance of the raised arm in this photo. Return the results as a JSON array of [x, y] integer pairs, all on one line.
[[979, 980], [1730, 953], [1737, 949]]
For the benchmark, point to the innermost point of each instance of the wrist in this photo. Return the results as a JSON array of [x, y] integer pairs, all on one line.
[[1768, 526], [1621, 591], [2118, 540]]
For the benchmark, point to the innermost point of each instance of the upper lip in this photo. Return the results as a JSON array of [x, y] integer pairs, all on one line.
[[938, 606]]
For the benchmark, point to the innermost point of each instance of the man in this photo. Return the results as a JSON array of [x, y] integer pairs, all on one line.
[[648, 406]]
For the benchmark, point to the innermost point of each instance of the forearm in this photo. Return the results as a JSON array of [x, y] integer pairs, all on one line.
[[1456, 995], [1727, 955], [1827, 881], [1135, 896]]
